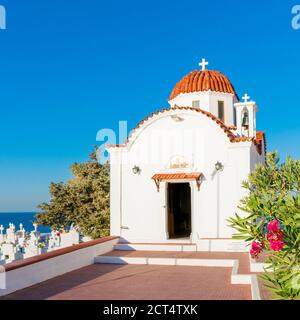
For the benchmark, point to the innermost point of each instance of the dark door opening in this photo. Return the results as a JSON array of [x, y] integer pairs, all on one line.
[[179, 210]]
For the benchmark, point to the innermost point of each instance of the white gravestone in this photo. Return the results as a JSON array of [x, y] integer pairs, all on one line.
[[65, 240], [54, 241], [10, 234], [75, 235], [21, 236], [70, 238], [9, 252], [32, 246]]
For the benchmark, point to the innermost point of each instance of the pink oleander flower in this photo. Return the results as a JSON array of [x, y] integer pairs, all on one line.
[[277, 245], [275, 236], [256, 248], [273, 226]]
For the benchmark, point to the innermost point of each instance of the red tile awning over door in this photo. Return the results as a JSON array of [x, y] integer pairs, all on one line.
[[158, 177]]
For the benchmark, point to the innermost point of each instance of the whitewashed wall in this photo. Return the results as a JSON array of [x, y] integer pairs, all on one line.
[[139, 212], [209, 102]]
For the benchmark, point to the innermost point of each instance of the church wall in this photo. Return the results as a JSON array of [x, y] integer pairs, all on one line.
[[256, 157], [115, 191], [152, 152], [208, 102], [228, 106], [235, 171], [144, 209], [185, 100]]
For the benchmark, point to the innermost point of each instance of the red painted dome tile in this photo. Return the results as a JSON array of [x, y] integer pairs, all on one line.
[[203, 80]]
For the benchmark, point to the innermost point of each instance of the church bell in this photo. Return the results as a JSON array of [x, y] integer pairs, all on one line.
[[245, 122]]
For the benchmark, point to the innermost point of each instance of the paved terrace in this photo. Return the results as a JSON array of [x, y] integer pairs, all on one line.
[[105, 282], [109, 281]]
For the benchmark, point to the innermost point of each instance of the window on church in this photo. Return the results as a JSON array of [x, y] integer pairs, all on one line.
[[196, 104], [221, 112]]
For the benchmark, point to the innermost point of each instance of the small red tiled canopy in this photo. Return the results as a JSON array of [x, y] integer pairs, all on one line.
[[158, 177]]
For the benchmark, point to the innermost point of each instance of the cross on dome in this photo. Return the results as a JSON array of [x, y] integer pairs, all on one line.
[[246, 98], [203, 64]]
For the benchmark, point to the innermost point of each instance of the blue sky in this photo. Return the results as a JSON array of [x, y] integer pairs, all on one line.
[[70, 68]]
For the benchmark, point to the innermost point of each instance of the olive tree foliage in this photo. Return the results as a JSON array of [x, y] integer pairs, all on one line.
[[82, 201]]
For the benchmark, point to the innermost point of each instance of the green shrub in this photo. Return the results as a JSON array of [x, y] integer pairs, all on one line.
[[271, 223]]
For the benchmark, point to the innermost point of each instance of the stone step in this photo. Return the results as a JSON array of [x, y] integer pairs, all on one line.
[[155, 247], [169, 241], [243, 258], [165, 261], [222, 245], [203, 245]]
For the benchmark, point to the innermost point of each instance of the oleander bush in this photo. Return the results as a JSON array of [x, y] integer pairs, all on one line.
[[82, 201], [270, 223]]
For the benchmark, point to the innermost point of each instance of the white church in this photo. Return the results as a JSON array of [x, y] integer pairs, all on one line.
[[177, 177]]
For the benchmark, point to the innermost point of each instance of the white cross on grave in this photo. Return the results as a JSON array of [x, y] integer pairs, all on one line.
[[203, 64], [246, 98]]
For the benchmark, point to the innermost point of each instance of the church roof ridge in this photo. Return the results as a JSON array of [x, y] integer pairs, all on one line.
[[257, 140]]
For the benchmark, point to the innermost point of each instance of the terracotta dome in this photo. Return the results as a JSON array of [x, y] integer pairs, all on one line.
[[203, 80]]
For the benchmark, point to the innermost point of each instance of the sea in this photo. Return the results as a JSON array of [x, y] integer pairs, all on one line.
[[26, 218]]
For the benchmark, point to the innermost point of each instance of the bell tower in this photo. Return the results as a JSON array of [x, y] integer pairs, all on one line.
[[246, 117]]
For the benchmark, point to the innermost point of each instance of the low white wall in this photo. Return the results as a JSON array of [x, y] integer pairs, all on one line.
[[222, 245], [40, 271]]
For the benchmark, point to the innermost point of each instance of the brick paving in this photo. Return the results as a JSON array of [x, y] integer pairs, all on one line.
[[114, 282]]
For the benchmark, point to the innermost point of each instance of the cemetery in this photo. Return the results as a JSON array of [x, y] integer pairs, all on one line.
[[21, 244]]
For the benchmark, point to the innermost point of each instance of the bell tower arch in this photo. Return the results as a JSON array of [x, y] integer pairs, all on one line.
[[246, 117]]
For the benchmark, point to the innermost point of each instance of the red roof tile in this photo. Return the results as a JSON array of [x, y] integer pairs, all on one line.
[[203, 80], [261, 139], [176, 176]]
